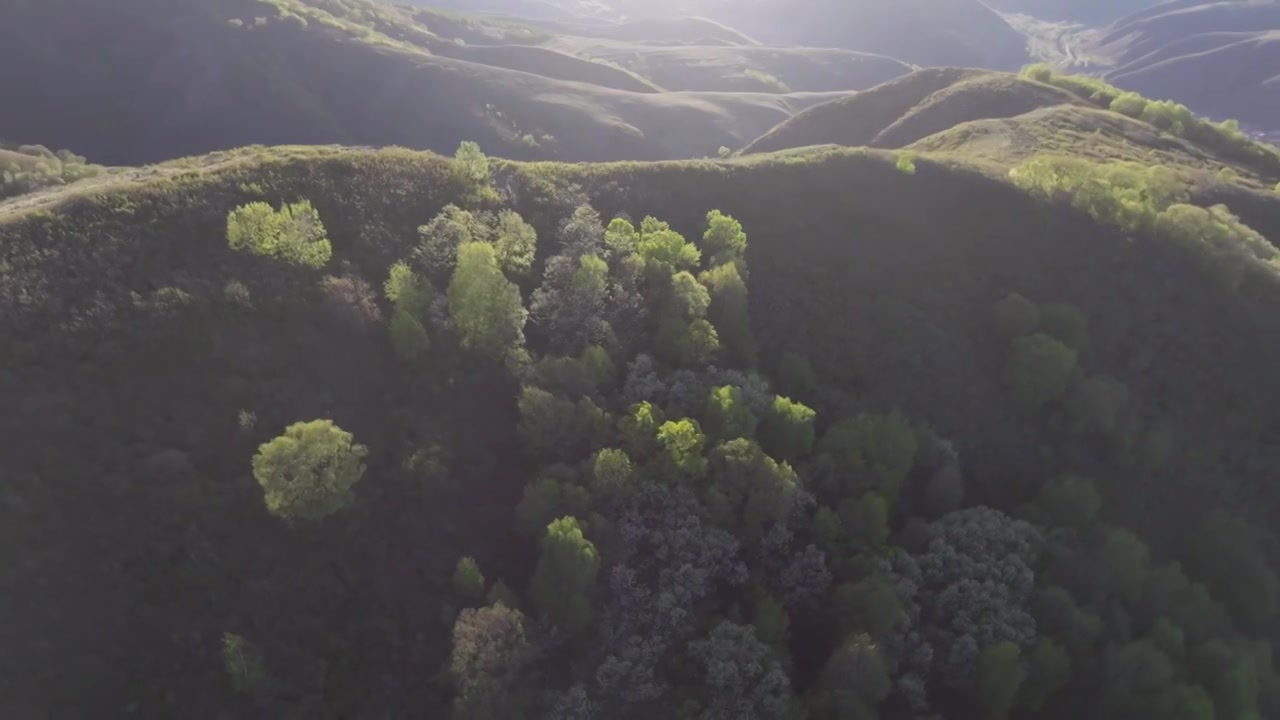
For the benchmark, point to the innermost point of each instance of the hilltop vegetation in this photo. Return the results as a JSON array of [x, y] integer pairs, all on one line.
[[1181, 50], [24, 168], [468, 505]]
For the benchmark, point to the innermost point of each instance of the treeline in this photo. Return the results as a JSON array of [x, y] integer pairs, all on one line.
[[705, 546], [24, 168], [1225, 138]]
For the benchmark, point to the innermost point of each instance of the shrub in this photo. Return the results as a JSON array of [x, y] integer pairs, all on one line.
[[293, 233], [1016, 316]]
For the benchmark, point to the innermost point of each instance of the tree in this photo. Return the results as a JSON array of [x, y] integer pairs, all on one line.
[[468, 581], [866, 519], [516, 242], [562, 581], [639, 430], [870, 606], [682, 442], [471, 166], [551, 496], [771, 622], [1016, 316], [555, 428], [453, 227], [1065, 322], [611, 475], [1039, 370], [293, 233], [724, 239], [1226, 555], [787, 429], [868, 452], [750, 490], [1069, 501], [1000, 673], [663, 246], [742, 679], [308, 472], [728, 416], [729, 313], [490, 656], [854, 680], [486, 308], [243, 663], [1048, 671], [1125, 563]]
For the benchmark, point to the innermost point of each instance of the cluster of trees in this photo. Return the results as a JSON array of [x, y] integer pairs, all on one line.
[[24, 168], [708, 548], [1174, 118], [1151, 199]]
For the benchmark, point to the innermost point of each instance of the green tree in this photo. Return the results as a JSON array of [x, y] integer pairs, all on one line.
[[555, 428], [751, 490], [796, 376], [551, 496], [293, 233], [486, 308], [870, 605], [621, 238], [1039, 370], [1000, 673], [409, 338], [729, 313], [771, 622], [682, 443], [566, 570], [516, 242], [659, 244], [854, 680], [787, 429], [468, 581], [611, 476], [1069, 501], [868, 452], [243, 663], [1016, 316], [308, 472], [1125, 563], [1048, 671], [639, 430], [1065, 322], [471, 166], [866, 519], [453, 227], [491, 654], [724, 239], [728, 415]]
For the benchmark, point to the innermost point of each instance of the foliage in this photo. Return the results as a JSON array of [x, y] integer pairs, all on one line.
[[490, 655], [471, 166], [468, 581], [486, 308], [742, 679], [682, 443], [293, 233], [27, 168], [308, 472], [1039, 371], [724, 240], [728, 415], [562, 580], [1016, 316], [243, 663], [868, 452], [787, 429]]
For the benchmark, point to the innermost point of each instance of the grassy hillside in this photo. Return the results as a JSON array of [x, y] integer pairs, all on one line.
[[1181, 50], [902, 111], [150, 540], [1092, 12], [169, 79], [962, 33], [742, 68]]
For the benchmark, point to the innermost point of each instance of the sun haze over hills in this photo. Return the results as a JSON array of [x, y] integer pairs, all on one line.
[[818, 386]]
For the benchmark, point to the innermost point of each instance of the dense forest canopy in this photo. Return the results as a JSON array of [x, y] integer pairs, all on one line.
[[945, 398]]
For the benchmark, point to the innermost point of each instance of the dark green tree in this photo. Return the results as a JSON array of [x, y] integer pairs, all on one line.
[[567, 567]]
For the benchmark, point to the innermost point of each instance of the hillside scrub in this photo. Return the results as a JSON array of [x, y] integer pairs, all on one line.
[[25, 168], [1176, 119], [778, 432]]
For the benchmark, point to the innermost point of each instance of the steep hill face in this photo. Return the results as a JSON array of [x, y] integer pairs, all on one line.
[[902, 111], [170, 79], [141, 339], [1184, 50]]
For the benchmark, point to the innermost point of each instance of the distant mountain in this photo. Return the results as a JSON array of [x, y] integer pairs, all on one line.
[[1091, 12], [167, 78], [1221, 59]]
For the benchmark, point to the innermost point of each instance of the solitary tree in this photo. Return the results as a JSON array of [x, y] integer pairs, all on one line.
[[293, 233], [308, 472]]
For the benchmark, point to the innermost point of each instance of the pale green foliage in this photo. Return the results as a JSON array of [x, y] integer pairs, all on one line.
[[724, 239], [728, 416], [1039, 370], [487, 310], [682, 443], [411, 297], [611, 475], [308, 472], [1127, 194], [468, 581], [787, 429], [639, 430], [906, 164], [688, 299], [293, 233], [243, 663], [1228, 246], [470, 165], [660, 244], [567, 567], [516, 241], [549, 497], [686, 344], [729, 312], [621, 238]]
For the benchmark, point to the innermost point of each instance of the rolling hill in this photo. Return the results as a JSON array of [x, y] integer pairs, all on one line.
[[1222, 59], [907, 109], [190, 77]]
